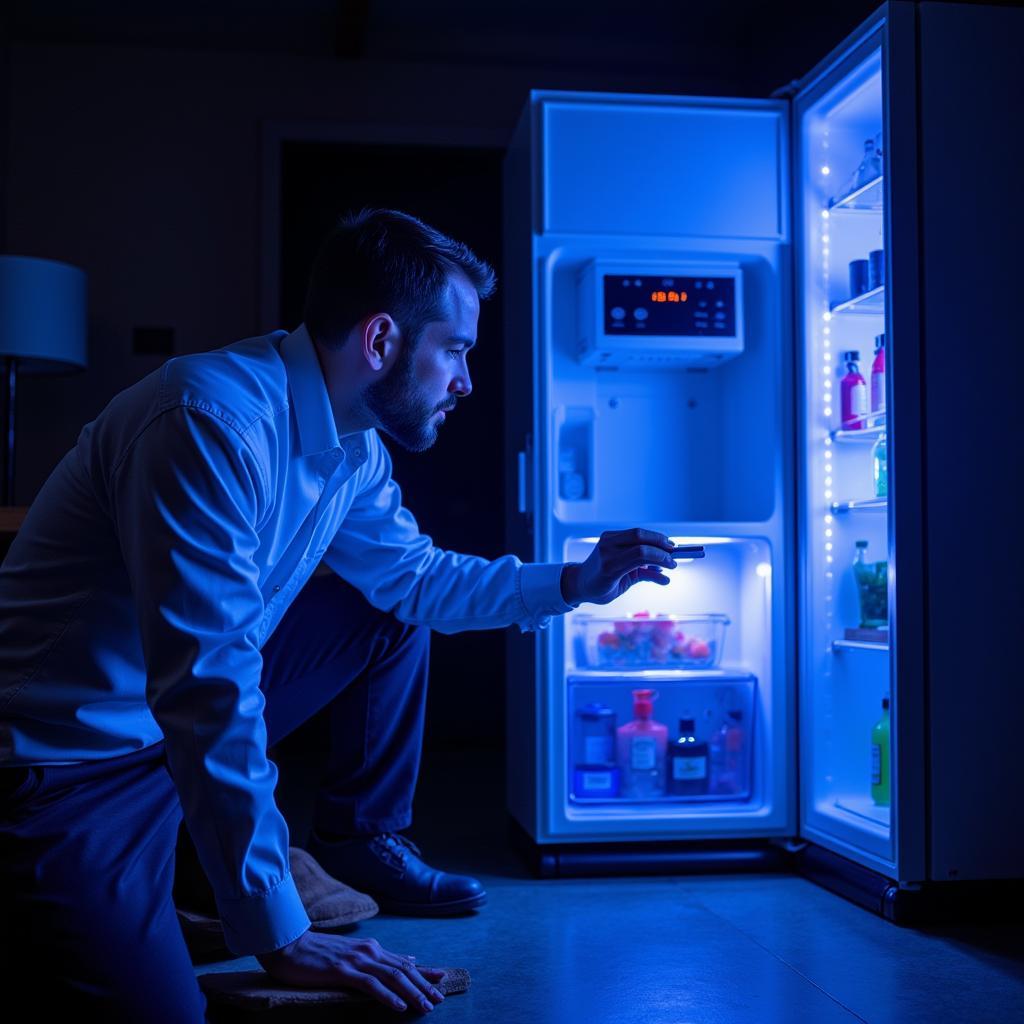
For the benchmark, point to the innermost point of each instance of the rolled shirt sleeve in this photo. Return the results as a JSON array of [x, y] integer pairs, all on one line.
[[187, 498], [380, 550]]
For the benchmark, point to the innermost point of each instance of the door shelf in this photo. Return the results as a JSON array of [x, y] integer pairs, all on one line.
[[861, 505], [863, 807], [870, 303], [866, 199], [873, 426], [838, 646]]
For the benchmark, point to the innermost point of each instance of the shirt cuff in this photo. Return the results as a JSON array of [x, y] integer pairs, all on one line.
[[264, 922], [540, 584]]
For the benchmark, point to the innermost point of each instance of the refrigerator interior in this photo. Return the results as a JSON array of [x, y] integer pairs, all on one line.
[[701, 649], [650, 414], [847, 763]]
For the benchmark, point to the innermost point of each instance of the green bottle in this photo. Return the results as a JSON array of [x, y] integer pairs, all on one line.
[[880, 467], [872, 589], [880, 762]]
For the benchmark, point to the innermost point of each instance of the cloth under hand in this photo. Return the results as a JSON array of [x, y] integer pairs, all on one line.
[[256, 990]]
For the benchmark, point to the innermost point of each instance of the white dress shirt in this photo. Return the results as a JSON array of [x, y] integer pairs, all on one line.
[[163, 551]]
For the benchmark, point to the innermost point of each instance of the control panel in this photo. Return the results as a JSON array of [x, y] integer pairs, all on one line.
[[667, 314]]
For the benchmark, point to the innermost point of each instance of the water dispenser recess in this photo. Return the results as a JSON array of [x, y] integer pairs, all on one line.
[[646, 314], [575, 454]]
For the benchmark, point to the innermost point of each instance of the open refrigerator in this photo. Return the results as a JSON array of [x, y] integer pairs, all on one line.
[[719, 328]]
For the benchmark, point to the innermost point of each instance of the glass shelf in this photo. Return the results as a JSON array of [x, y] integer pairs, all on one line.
[[667, 674], [873, 426], [857, 645], [870, 303], [866, 199], [861, 505], [863, 807]]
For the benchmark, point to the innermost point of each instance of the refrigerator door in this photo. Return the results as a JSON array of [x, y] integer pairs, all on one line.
[[861, 695], [648, 354]]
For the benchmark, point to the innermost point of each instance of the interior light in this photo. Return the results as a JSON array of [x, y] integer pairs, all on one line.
[[764, 570], [824, 214], [824, 238], [826, 170], [826, 317], [828, 411]]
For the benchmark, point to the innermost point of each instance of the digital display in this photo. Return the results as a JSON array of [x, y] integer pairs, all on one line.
[[669, 306]]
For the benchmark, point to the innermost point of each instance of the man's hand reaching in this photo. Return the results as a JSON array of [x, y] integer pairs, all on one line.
[[620, 559], [322, 960]]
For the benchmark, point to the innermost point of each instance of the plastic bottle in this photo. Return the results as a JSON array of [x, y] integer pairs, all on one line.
[[853, 394], [871, 166], [595, 774], [726, 756], [687, 762], [880, 467], [641, 746], [880, 763], [878, 375]]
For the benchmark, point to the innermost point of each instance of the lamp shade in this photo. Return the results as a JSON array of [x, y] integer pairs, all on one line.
[[42, 314]]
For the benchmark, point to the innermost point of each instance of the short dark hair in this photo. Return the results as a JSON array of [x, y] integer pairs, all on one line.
[[386, 261]]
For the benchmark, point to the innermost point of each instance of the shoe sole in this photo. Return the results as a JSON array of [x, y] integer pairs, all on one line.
[[453, 908]]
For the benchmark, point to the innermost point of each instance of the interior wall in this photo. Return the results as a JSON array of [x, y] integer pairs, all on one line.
[[143, 167]]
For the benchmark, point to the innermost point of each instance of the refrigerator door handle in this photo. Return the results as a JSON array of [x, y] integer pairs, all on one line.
[[523, 477]]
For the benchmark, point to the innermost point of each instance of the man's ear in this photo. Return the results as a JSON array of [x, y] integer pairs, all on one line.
[[380, 340]]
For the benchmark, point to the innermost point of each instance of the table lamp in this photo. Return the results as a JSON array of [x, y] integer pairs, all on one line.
[[42, 330]]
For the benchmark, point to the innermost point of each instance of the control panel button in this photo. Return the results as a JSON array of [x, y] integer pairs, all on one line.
[[640, 313], [618, 313]]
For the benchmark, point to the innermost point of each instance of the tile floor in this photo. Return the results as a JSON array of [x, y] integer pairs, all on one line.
[[739, 949]]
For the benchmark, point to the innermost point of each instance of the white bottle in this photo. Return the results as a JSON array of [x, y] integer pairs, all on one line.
[[871, 166]]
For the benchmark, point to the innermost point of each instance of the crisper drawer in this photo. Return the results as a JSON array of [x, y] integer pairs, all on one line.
[[669, 737]]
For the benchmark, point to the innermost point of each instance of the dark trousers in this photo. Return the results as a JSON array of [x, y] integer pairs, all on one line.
[[87, 851]]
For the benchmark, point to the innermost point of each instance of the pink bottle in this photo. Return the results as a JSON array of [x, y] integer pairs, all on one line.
[[641, 746], [878, 376], [853, 394]]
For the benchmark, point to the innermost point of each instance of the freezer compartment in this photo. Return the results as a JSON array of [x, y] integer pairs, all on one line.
[[643, 641], [669, 738]]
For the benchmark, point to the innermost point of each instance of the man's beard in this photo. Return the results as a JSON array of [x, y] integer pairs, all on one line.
[[401, 413]]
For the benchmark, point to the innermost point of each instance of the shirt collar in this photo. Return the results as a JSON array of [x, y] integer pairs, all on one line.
[[317, 429]]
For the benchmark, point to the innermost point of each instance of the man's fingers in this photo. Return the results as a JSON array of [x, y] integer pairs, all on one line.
[[620, 538], [419, 977], [402, 977], [644, 555], [371, 986]]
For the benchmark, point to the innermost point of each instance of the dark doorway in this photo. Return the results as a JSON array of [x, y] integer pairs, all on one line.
[[456, 489]]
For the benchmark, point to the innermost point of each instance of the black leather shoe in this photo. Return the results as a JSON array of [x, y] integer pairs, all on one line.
[[388, 867]]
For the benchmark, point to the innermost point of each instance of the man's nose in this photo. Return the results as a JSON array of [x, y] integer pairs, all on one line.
[[461, 385]]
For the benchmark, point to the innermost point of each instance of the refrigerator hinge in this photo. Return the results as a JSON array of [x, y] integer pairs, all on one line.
[[786, 92], [791, 845]]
